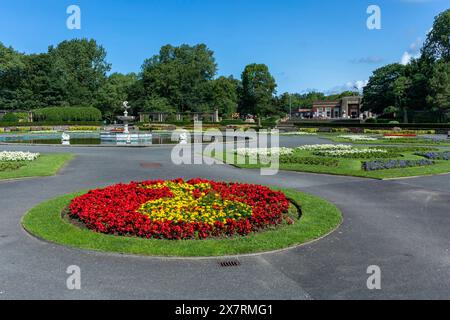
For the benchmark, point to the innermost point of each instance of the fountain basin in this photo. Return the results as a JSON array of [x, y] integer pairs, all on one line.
[[123, 137]]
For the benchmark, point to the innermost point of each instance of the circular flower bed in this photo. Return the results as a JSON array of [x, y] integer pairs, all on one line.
[[178, 209]]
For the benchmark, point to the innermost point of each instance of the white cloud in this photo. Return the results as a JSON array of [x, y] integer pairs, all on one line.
[[412, 53], [349, 86], [368, 60]]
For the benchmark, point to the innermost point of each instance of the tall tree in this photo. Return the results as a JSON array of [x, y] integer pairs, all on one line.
[[437, 45], [224, 96], [257, 91], [114, 92], [400, 89], [12, 70], [80, 67], [379, 92], [179, 74], [439, 99]]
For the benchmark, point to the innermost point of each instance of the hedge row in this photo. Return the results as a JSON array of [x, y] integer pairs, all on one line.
[[64, 114], [50, 123]]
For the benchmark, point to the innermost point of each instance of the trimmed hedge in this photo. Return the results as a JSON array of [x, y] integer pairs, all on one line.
[[50, 123], [64, 114]]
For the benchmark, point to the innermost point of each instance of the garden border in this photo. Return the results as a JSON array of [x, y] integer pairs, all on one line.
[[45, 223]]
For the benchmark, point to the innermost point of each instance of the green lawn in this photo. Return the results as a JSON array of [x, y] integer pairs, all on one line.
[[319, 219], [352, 167], [45, 165]]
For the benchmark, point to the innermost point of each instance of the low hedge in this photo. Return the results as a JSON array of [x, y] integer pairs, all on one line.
[[366, 155], [313, 161], [50, 123]]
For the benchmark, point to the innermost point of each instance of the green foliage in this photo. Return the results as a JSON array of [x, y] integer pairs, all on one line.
[[224, 95], [67, 114], [422, 86], [10, 166], [113, 93], [437, 45], [257, 91], [365, 155], [379, 92], [179, 75], [313, 161], [10, 117], [439, 98]]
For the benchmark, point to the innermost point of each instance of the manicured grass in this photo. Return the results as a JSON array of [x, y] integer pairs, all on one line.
[[319, 218], [45, 165], [353, 167]]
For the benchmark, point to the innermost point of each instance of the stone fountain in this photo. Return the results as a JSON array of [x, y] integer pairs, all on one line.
[[126, 137], [125, 118]]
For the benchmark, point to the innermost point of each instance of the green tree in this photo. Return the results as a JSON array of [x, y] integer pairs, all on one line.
[[114, 92], [12, 70], [224, 96], [257, 91], [439, 98], [179, 74], [400, 89], [79, 66], [379, 92], [437, 45]]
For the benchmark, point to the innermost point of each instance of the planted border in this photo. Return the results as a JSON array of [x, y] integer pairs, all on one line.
[[319, 219]]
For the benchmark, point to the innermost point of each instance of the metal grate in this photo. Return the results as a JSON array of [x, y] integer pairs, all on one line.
[[150, 165], [229, 263]]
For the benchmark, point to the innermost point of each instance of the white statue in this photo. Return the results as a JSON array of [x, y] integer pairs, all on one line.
[[126, 107], [183, 138], [65, 137]]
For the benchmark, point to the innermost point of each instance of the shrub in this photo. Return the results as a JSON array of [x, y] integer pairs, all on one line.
[[67, 114], [10, 117], [312, 161], [394, 164], [436, 155], [10, 166], [406, 149]]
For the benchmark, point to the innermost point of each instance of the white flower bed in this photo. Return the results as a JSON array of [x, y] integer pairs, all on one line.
[[320, 147], [339, 153], [394, 137], [358, 138], [299, 133], [248, 152], [18, 156]]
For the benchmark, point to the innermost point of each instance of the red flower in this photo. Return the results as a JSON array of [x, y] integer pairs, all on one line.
[[114, 210]]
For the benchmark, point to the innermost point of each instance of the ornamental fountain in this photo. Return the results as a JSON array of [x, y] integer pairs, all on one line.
[[126, 137]]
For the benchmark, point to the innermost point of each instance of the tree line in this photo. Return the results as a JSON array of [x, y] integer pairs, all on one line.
[[76, 73], [420, 90], [177, 79]]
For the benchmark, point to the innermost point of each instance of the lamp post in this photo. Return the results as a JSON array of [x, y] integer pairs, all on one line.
[[290, 107]]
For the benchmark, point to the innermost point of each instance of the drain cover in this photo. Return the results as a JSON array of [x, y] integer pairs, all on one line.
[[229, 263], [150, 165]]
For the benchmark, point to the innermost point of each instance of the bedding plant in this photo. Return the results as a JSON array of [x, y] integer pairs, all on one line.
[[180, 210]]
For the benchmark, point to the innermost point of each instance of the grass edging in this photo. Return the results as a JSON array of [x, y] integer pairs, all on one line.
[[319, 219], [46, 165]]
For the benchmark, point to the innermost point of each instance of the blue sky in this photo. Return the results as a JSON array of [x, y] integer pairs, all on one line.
[[307, 44]]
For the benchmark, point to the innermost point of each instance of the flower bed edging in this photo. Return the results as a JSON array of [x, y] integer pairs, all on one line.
[[319, 219]]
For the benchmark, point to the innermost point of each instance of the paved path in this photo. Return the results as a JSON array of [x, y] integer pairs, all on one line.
[[402, 226]]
